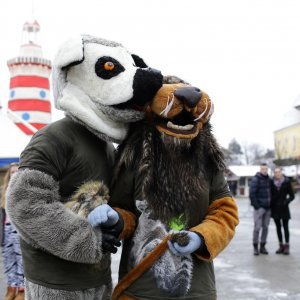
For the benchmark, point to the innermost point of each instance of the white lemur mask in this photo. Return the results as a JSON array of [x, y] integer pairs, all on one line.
[[101, 85]]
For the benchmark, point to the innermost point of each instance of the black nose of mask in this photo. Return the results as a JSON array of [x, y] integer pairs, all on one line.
[[189, 95]]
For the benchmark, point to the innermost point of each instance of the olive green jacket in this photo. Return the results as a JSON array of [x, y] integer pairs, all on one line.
[[216, 224], [60, 249]]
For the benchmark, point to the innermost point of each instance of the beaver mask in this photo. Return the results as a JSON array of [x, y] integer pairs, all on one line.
[[179, 110]]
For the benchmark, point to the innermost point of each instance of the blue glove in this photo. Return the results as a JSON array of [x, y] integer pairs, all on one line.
[[103, 215], [193, 245]]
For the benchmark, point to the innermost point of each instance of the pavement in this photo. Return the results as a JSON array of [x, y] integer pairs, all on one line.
[[242, 276], [239, 274]]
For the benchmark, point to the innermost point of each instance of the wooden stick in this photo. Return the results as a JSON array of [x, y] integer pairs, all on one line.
[[145, 264]]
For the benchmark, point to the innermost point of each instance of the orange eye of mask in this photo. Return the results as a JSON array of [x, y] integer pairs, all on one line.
[[108, 66]]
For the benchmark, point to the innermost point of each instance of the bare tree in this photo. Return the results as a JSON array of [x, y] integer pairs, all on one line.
[[253, 153], [248, 153], [257, 153]]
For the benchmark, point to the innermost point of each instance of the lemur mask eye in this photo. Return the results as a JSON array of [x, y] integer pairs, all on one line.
[[107, 67]]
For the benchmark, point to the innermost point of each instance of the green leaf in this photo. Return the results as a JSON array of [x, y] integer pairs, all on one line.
[[177, 223]]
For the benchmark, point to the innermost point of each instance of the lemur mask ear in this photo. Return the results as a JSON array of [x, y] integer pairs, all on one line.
[[70, 53], [139, 62]]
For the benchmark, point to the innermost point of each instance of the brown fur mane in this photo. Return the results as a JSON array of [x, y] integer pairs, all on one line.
[[174, 171]]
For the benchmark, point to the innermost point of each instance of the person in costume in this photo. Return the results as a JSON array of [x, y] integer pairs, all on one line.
[[170, 174], [100, 86]]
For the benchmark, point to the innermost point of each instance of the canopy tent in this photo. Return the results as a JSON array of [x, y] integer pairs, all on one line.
[[13, 140], [243, 171]]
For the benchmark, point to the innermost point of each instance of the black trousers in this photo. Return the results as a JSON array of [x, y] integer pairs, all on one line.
[[285, 224]]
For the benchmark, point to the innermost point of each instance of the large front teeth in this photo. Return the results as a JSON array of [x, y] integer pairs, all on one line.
[[178, 127]]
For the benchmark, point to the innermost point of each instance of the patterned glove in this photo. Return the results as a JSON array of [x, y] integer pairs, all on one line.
[[193, 244]]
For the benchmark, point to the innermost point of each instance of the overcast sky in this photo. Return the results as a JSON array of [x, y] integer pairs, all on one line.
[[244, 54]]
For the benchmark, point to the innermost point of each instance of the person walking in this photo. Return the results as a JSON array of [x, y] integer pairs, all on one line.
[[281, 195], [10, 243], [260, 200]]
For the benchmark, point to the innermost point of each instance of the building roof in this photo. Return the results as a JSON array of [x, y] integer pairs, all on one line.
[[244, 171], [291, 117]]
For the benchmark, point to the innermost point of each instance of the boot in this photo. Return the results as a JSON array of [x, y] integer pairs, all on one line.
[[256, 252], [286, 249], [10, 293], [263, 249], [280, 249], [20, 295]]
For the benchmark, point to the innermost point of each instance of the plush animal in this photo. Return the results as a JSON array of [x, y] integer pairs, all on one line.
[[172, 273], [101, 88], [87, 197], [169, 173]]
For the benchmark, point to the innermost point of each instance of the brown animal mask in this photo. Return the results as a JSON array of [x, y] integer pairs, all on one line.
[[179, 110]]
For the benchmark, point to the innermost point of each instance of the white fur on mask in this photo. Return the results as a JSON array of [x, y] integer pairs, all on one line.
[[83, 95], [116, 90]]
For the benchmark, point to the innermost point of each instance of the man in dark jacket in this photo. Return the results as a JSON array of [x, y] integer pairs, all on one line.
[[260, 200]]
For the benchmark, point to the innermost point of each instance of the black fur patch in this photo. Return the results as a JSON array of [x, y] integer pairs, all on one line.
[[139, 62], [145, 85]]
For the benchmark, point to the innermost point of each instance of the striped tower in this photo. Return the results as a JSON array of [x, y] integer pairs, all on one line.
[[29, 104]]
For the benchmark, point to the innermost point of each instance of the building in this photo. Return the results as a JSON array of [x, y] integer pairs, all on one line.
[[239, 179], [29, 104], [287, 137], [29, 98]]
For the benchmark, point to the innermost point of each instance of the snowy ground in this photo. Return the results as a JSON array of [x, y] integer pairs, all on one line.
[[242, 276]]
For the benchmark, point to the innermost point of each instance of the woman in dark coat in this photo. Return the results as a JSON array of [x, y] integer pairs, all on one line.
[[281, 195]]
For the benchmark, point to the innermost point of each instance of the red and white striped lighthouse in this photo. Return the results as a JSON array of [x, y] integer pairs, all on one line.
[[29, 104]]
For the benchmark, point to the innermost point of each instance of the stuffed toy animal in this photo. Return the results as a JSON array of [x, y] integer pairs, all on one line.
[[169, 172], [101, 88], [87, 197]]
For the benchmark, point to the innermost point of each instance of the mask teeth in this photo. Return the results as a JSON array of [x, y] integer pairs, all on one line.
[[168, 106], [206, 106]]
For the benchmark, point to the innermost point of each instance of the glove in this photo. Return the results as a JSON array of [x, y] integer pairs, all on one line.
[[111, 224], [110, 243], [103, 215], [193, 245], [114, 230]]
